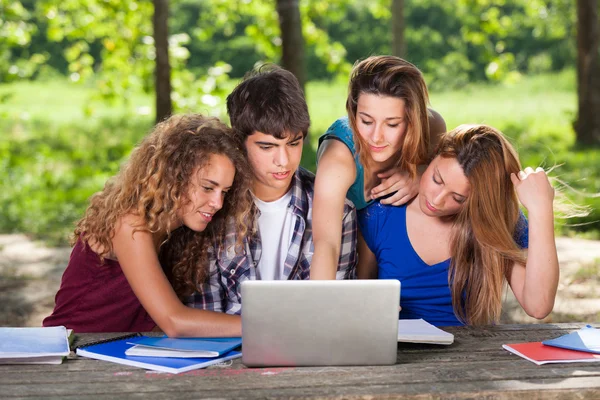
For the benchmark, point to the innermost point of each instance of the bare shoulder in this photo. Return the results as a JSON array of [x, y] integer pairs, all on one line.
[[335, 155], [336, 172], [128, 224], [123, 231], [437, 125], [129, 232]]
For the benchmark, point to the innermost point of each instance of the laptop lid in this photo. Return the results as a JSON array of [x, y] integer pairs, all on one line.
[[294, 323]]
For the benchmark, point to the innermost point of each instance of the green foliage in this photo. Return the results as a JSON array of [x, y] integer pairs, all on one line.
[[53, 159], [16, 29], [122, 29], [124, 65], [257, 21], [49, 171], [454, 42]]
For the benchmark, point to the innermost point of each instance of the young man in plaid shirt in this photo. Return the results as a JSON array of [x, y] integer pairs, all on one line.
[[269, 114]]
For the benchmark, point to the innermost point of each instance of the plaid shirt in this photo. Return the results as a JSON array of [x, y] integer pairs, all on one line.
[[229, 269]]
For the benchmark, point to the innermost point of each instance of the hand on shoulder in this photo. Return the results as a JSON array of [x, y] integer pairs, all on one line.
[[398, 182]]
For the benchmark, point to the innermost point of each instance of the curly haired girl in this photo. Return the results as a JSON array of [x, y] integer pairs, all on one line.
[[143, 243]]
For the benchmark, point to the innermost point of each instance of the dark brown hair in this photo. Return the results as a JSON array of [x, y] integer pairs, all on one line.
[[268, 100]]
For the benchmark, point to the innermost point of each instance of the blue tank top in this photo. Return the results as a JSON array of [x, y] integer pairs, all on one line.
[[424, 292], [340, 130]]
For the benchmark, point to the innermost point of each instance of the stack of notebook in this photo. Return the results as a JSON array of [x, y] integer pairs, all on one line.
[[579, 346], [162, 353], [34, 345]]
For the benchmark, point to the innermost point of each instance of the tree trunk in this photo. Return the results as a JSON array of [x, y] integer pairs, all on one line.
[[587, 125], [292, 41], [398, 42], [164, 108]]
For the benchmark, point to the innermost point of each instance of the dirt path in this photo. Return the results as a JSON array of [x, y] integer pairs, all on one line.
[[30, 276], [578, 297]]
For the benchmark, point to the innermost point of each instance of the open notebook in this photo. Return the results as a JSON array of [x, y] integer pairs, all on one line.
[[421, 331]]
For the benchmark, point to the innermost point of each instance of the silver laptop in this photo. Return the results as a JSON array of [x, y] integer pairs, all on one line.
[[294, 323]]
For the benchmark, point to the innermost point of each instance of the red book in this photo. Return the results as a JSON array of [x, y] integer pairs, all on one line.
[[540, 354]]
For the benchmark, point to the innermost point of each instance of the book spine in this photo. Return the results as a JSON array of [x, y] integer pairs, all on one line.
[[120, 337]]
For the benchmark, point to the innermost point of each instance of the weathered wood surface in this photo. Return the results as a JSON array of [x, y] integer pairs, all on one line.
[[474, 367]]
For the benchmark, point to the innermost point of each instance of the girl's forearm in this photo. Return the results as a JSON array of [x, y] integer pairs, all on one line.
[[324, 262], [542, 269], [191, 322]]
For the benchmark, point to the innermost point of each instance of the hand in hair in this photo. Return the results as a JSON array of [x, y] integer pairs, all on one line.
[[400, 182], [533, 189], [535, 283]]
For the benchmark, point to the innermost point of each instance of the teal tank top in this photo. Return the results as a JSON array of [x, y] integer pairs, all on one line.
[[340, 130]]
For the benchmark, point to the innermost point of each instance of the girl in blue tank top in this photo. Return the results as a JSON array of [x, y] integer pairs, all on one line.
[[456, 243], [373, 152]]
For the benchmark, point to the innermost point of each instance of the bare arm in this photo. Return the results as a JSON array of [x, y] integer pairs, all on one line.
[[367, 263], [535, 284], [335, 175], [139, 262]]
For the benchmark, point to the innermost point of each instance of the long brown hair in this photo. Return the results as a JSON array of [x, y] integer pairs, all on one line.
[[394, 77], [483, 244], [153, 184]]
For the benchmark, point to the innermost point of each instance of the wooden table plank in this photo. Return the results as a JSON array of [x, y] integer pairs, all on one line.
[[475, 366]]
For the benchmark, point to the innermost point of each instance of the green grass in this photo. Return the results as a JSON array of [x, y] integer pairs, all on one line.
[[62, 102], [54, 155]]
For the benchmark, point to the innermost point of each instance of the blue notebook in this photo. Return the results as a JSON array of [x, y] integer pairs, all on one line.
[[183, 347], [586, 339], [114, 351], [34, 345]]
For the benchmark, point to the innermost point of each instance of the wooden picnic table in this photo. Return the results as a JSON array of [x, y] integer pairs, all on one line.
[[474, 367]]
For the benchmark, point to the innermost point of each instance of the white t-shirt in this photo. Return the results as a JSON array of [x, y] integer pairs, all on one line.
[[276, 229]]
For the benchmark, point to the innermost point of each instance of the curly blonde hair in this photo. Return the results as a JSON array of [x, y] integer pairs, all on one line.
[[153, 185]]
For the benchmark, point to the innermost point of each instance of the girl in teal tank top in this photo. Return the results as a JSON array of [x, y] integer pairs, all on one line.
[[373, 152], [340, 130]]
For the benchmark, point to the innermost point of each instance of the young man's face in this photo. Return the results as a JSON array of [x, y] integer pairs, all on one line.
[[274, 162]]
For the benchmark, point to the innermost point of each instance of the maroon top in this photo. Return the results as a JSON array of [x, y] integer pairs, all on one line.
[[95, 297]]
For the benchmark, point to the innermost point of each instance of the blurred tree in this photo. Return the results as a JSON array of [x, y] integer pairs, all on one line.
[[122, 30], [292, 41], [587, 125], [164, 108], [398, 42], [253, 27], [453, 42], [127, 60], [16, 29]]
